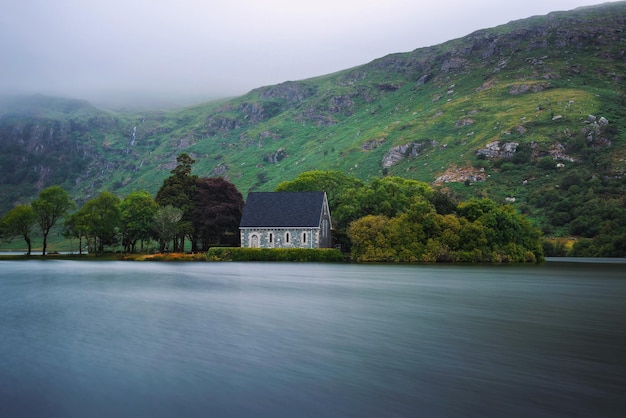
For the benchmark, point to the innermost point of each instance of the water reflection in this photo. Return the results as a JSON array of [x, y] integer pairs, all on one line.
[[286, 340]]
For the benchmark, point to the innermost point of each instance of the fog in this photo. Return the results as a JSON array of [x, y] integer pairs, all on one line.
[[157, 52]]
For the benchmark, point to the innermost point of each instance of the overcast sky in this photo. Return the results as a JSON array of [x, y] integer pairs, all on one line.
[[78, 48]]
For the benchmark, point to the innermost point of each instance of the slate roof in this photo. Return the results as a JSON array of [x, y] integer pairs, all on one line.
[[282, 210]]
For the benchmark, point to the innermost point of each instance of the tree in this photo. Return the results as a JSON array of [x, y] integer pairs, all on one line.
[[52, 204], [183, 169], [389, 196], [218, 210], [20, 221], [508, 234], [101, 215], [334, 183], [166, 219], [485, 232], [179, 190], [76, 227], [406, 237], [137, 215], [370, 239]]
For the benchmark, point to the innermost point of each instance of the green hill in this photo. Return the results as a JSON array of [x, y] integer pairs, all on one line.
[[531, 112]]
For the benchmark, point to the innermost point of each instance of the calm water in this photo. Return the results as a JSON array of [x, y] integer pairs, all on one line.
[[124, 339]]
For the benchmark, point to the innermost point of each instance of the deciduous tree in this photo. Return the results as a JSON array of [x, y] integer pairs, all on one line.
[[370, 239], [52, 204], [76, 227], [217, 212], [20, 221], [102, 218], [166, 220], [137, 217]]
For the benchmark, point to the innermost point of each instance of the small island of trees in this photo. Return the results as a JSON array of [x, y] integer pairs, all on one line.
[[389, 219], [392, 219]]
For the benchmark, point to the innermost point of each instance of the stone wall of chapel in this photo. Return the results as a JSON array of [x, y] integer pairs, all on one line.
[[280, 237]]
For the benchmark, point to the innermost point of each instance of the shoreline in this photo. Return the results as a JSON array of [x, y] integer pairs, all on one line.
[[202, 257]]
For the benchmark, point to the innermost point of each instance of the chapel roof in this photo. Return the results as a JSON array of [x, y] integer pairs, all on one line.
[[283, 209]]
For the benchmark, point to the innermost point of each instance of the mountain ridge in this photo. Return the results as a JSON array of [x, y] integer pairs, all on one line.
[[481, 115]]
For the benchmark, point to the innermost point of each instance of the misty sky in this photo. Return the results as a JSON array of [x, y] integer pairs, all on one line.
[[212, 48]]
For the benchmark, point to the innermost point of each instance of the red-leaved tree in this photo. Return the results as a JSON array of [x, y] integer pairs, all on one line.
[[217, 212]]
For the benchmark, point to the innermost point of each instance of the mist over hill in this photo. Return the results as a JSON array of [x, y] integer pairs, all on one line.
[[531, 113]]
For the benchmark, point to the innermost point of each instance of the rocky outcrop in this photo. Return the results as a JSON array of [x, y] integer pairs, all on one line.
[[276, 156], [316, 116], [593, 131], [494, 47], [454, 64], [291, 92], [372, 144], [400, 152], [461, 174], [522, 88], [498, 149], [217, 124], [44, 143], [557, 152], [464, 122], [342, 105], [220, 170], [252, 112], [420, 62], [247, 113]]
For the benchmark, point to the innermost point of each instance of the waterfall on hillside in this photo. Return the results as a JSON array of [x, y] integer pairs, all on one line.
[[133, 138]]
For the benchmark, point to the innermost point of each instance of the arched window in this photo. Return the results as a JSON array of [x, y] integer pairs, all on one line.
[[287, 236], [304, 237], [254, 241]]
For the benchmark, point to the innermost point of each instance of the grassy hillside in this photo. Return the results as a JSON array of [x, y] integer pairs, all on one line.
[[512, 112]]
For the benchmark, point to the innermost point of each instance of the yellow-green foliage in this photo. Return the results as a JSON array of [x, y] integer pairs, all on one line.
[[275, 254], [480, 232]]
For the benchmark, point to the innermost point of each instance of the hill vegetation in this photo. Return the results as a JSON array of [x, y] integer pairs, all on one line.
[[390, 219], [531, 113]]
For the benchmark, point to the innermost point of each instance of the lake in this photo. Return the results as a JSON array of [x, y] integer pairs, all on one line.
[[148, 339]]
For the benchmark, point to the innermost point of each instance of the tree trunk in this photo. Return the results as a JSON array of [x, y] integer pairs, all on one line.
[[194, 243], [45, 243]]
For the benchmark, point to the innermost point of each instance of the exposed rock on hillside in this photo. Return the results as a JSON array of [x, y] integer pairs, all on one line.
[[276, 156], [217, 124], [220, 170], [498, 149], [464, 122], [461, 174], [44, 143], [372, 144], [316, 116], [342, 105], [557, 151], [522, 88], [252, 112], [593, 131], [292, 92], [400, 152]]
